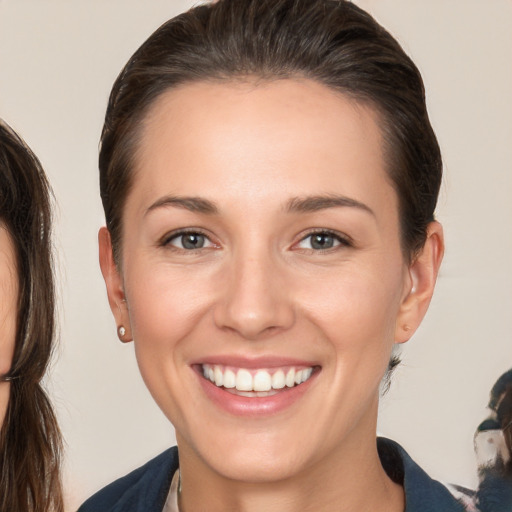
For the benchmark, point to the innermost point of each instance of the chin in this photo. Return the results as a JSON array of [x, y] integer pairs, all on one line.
[[254, 457], [256, 466]]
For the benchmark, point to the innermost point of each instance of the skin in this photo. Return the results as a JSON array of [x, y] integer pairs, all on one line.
[[259, 288], [8, 303]]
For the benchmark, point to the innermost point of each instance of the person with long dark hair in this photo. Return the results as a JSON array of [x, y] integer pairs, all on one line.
[[269, 176], [30, 440]]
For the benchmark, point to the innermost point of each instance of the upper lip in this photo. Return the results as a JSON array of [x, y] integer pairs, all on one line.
[[254, 362]]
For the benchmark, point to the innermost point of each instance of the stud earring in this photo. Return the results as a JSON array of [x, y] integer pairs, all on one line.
[[121, 330]]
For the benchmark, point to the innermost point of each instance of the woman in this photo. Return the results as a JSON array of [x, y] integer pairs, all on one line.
[[29, 436], [269, 177]]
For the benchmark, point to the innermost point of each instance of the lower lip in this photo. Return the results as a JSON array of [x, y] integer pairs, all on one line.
[[254, 406]]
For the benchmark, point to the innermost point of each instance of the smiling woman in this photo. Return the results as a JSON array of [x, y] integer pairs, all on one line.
[[30, 439], [269, 177]]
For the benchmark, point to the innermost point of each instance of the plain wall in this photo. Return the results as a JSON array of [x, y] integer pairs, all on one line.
[[58, 60]]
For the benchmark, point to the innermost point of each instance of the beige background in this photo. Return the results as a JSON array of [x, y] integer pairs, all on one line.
[[58, 60]]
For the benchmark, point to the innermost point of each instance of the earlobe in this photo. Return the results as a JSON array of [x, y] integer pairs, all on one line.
[[423, 272], [114, 284]]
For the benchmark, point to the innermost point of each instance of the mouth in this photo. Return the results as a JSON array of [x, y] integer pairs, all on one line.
[[256, 382]]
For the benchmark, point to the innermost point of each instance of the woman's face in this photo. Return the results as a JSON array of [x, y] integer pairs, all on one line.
[[8, 308], [261, 248]]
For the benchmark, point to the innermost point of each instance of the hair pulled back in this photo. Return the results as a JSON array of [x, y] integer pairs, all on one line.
[[30, 440], [330, 41]]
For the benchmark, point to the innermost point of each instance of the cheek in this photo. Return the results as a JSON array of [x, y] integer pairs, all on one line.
[[165, 305], [359, 320], [7, 330], [5, 388], [356, 313], [7, 336], [164, 308], [355, 307], [6, 351]]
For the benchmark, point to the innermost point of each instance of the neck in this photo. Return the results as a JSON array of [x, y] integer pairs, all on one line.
[[339, 482]]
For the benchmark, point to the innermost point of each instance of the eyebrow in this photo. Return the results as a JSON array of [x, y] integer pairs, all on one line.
[[322, 202], [192, 204], [307, 204]]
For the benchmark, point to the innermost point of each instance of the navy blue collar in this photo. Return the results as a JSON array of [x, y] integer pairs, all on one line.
[[422, 493], [146, 488]]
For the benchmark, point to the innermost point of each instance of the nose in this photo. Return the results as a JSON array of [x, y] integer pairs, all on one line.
[[254, 299]]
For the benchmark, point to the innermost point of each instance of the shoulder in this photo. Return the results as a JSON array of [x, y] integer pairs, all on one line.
[[144, 489], [422, 493]]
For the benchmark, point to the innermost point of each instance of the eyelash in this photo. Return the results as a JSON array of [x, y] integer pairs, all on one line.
[[340, 240], [168, 238]]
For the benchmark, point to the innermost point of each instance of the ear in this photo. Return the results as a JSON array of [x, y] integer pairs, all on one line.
[[114, 284], [422, 276]]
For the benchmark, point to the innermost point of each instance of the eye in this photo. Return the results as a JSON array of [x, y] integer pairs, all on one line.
[[188, 241], [322, 241]]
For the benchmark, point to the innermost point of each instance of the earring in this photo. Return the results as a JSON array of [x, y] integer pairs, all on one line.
[[121, 331]]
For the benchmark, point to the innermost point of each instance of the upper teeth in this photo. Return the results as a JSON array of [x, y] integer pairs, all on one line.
[[255, 380]]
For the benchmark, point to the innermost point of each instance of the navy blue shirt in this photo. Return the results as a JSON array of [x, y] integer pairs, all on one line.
[[146, 488]]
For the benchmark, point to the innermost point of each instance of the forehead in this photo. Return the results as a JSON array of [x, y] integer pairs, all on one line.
[[241, 137]]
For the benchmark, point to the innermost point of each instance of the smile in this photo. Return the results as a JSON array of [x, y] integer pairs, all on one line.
[[255, 382]]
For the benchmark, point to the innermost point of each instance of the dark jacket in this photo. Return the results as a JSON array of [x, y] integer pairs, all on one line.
[[146, 488]]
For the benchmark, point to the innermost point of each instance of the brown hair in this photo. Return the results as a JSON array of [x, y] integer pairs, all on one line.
[[501, 403], [330, 41], [30, 441]]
